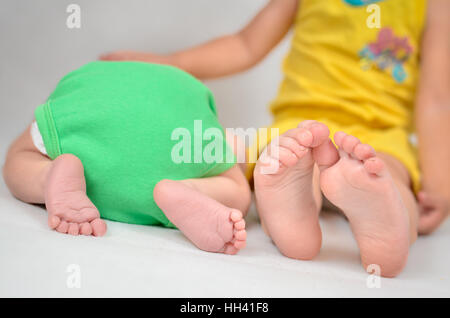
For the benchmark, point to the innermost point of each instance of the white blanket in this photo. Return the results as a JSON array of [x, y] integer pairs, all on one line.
[[149, 261], [38, 49]]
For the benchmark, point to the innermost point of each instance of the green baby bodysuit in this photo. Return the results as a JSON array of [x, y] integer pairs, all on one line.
[[133, 124]]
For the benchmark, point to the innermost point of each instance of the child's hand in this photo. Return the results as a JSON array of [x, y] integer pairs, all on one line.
[[434, 209], [135, 56]]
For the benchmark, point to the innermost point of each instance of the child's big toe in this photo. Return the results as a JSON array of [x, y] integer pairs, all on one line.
[[305, 137], [293, 145], [320, 134], [287, 157], [98, 227], [230, 249]]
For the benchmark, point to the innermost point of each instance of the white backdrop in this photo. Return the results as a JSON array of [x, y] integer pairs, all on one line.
[[37, 49]]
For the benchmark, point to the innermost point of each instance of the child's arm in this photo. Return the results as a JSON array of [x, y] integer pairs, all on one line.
[[433, 117], [232, 53]]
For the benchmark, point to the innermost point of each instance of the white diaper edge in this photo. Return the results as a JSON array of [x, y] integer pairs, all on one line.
[[37, 138]]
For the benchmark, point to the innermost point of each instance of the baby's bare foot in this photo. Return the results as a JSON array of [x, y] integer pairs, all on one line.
[[211, 226], [284, 189], [69, 209], [361, 186]]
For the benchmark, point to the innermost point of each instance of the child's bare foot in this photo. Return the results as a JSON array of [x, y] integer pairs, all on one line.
[[361, 186], [210, 225], [69, 209], [286, 199]]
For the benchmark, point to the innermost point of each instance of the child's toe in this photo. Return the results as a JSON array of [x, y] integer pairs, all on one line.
[[86, 228], [241, 235], [293, 145], [98, 227], [230, 249], [375, 165], [287, 157], [53, 221], [339, 137], [240, 244], [73, 229], [349, 143], [236, 216], [240, 225], [307, 123], [320, 133], [62, 227], [304, 137], [363, 152]]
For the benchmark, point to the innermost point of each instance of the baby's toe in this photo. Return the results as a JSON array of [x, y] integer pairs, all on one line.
[[236, 216], [375, 165], [239, 245], [286, 157], [240, 235], [363, 152], [240, 225], [53, 221], [230, 249], [305, 137], [86, 228], [293, 145], [98, 227], [349, 143], [62, 227], [339, 137], [306, 123], [320, 133], [73, 229]]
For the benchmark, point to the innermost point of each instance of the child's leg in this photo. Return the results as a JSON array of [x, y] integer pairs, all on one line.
[[60, 184], [289, 200], [373, 192], [25, 170], [209, 211]]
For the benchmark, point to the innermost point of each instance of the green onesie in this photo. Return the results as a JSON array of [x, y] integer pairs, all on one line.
[[133, 124]]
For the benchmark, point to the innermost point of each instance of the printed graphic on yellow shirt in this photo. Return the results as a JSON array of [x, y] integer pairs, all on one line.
[[358, 3], [389, 52]]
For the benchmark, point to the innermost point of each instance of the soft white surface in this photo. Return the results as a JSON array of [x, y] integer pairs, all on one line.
[[37, 50], [156, 262]]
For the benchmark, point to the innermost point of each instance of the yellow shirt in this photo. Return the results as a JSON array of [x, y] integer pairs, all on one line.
[[353, 61]]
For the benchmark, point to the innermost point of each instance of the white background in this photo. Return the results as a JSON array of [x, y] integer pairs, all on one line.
[[37, 49]]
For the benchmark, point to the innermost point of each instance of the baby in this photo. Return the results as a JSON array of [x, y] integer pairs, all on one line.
[[353, 70], [106, 144]]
